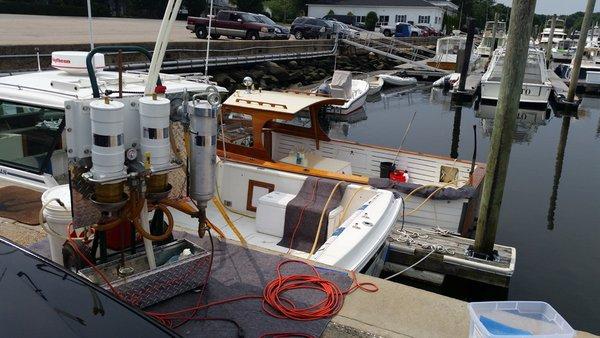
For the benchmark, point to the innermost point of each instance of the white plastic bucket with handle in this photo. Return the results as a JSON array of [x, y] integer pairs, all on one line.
[[57, 218]]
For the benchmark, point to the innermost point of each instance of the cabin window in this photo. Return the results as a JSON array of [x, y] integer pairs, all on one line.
[[424, 18], [29, 135], [401, 18], [237, 129]]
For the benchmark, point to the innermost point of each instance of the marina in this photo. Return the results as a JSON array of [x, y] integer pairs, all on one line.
[[204, 187]]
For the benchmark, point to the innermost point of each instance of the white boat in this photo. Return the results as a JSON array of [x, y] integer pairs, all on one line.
[[34, 104], [342, 86], [375, 84], [485, 47], [559, 34], [286, 136], [589, 74], [398, 80], [446, 52], [536, 85]]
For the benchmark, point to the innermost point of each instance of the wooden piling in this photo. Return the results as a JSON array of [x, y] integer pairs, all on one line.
[[517, 48], [585, 25], [494, 32], [464, 72], [550, 42]]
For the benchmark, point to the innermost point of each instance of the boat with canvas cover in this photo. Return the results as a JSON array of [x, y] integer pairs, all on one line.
[[284, 135], [342, 86]]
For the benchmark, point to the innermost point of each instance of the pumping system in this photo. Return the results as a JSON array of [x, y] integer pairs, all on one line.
[[120, 158]]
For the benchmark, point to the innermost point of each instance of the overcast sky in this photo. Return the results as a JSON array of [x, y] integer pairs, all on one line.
[[557, 6]]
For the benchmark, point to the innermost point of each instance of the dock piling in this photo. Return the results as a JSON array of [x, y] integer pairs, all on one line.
[[585, 25], [550, 42], [494, 31], [464, 71], [504, 126]]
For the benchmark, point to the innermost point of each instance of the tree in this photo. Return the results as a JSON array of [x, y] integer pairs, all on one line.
[[371, 20], [331, 12], [252, 6], [350, 14]]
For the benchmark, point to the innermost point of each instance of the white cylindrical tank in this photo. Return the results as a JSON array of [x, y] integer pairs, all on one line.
[[154, 128], [203, 156], [108, 150], [57, 218]]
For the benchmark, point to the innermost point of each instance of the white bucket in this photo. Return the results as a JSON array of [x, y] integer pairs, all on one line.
[[57, 218]]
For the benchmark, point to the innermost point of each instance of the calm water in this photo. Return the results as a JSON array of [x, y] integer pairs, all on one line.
[[558, 260]]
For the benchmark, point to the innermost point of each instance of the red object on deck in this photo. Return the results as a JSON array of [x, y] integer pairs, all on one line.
[[399, 176], [113, 236], [160, 89]]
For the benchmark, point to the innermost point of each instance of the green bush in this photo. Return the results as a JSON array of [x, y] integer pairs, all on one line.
[[371, 20]]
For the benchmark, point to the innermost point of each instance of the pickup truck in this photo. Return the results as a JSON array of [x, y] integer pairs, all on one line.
[[232, 24]]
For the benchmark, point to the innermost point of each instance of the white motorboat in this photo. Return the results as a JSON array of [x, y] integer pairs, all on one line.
[[485, 47], [398, 80], [446, 52], [559, 34], [33, 104], [375, 84], [564, 51], [589, 73], [342, 86], [536, 85]]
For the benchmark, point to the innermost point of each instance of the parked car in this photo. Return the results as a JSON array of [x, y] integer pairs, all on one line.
[[42, 299], [403, 30], [387, 30], [343, 30], [347, 19], [280, 32], [232, 24], [415, 31], [427, 31], [305, 27]]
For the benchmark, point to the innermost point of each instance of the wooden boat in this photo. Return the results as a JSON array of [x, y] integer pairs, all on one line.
[[375, 84], [536, 85], [285, 128], [398, 80]]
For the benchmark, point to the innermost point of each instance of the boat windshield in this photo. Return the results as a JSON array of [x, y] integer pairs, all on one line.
[[29, 135], [450, 45]]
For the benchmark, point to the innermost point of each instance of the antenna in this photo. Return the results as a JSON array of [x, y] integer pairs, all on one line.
[[89, 10], [208, 40]]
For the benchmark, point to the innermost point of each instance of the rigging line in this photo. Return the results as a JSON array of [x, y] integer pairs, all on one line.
[[404, 137]]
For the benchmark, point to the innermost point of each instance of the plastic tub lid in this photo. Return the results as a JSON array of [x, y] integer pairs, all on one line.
[[62, 192]]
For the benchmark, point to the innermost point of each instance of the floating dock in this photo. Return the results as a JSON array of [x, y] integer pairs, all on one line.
[[410, 243]]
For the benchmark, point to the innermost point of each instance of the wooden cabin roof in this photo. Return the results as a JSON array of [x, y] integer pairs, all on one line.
[[288, 102]]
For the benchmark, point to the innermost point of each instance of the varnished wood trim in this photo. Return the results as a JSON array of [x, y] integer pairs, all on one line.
[[251, 185]]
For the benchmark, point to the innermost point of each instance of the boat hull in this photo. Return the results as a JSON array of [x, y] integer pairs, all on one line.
[[531, 94]]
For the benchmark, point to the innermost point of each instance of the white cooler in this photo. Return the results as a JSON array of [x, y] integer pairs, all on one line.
[[270, 214]]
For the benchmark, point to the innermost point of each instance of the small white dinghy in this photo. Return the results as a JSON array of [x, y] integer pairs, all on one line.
[[375, 85], [343, 86], [398, 80]]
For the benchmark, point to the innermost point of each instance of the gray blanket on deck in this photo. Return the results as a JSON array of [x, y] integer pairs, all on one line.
[[303, 213], [405, 188]]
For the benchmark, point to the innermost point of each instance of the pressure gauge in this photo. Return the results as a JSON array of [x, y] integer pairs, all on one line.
[[131, 154]]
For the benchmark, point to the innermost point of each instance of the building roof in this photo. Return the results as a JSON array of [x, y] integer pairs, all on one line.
[[373, 3]]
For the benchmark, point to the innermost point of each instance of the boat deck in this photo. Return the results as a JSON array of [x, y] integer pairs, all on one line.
[[411, 243]]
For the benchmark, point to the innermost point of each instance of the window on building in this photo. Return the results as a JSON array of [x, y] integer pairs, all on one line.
[[360, 18], [424, 18], [401, 18], [384, 19]]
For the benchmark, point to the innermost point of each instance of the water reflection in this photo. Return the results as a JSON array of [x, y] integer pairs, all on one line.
[[456, 132], [528, 121], [338, 126], [560, 156]]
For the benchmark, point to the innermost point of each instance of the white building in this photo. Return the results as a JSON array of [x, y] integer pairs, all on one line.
[[390, 12]]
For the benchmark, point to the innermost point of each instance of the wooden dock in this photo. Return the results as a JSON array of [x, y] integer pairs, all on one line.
[[559, 94], [411, 243]]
